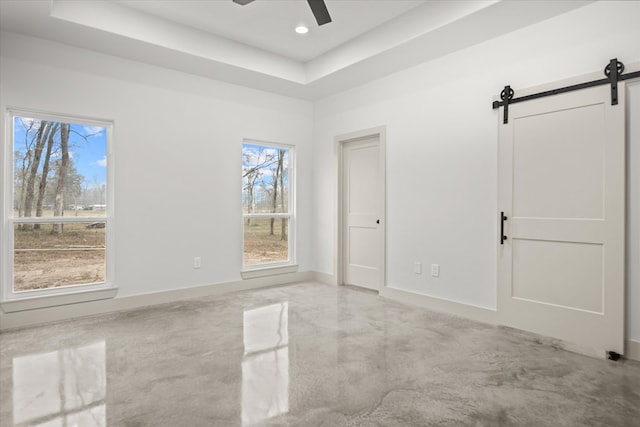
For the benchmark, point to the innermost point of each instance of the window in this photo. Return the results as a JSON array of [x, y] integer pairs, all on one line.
[[58, 204], [267, 205]]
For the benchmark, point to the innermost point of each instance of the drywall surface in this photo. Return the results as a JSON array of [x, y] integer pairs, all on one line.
[[442, 146], [633, 212], [177, 156]]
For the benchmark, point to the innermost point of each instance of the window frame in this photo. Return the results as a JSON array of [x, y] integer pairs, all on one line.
[[12, 300], [278, 267]]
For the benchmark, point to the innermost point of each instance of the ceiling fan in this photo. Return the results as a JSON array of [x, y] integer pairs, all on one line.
[[318, 7]]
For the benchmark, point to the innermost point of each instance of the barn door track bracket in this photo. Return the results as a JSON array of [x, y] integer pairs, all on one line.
[[613, 74]]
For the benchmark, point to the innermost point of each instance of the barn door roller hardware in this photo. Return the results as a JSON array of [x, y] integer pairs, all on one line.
[[613, 72]]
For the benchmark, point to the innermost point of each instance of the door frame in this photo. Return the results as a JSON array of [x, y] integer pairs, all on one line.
[[340, 141]]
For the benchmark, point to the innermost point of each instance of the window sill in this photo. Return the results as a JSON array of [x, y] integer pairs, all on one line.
[[268, 271], [32, 303]]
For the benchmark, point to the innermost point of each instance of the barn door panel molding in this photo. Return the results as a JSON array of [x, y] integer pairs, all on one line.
[[613, 71]]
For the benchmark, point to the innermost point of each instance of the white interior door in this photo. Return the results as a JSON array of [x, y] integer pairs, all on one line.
[[562, 189], [363, 204]]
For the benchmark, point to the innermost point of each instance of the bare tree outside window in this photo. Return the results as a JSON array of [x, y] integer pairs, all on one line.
[[51, 162], [266, 203]]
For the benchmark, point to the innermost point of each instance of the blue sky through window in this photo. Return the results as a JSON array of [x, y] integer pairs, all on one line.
[[87, 148]]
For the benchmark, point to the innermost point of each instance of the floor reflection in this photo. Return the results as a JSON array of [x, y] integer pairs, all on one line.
[[61, 388], [331, 356], [265, 366]]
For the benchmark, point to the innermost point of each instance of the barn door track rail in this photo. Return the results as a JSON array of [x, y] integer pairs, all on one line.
[[612, 78]]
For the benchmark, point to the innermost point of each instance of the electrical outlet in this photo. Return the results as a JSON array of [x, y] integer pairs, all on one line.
[[197, 262], [435, 270], [417, 267]]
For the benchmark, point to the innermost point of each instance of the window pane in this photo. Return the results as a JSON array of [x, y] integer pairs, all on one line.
[[265, 179], [266, 240], [56, 255], [60, 169]]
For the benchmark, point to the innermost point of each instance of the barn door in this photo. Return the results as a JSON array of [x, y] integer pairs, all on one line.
[[561, 198]]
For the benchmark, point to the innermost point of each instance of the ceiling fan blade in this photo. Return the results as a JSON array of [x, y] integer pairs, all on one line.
[[242, 2], [319, 10]]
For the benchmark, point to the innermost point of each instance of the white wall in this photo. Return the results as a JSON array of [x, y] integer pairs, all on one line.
[[442, 146], [176, 196], [633, 212], [177, 151]]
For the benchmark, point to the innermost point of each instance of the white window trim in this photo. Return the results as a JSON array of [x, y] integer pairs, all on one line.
[[271, 270], [45, 301], [282, 267], [12, 301]]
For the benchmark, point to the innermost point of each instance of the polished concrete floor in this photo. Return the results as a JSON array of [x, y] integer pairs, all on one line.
[[303, 355]]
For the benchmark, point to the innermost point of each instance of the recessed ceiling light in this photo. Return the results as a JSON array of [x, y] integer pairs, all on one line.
[[301, 29]]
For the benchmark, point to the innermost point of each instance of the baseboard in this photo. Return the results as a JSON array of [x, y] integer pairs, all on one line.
[[327, 279], [632, 350], [484, 315], [479, 314], [25, 318]]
